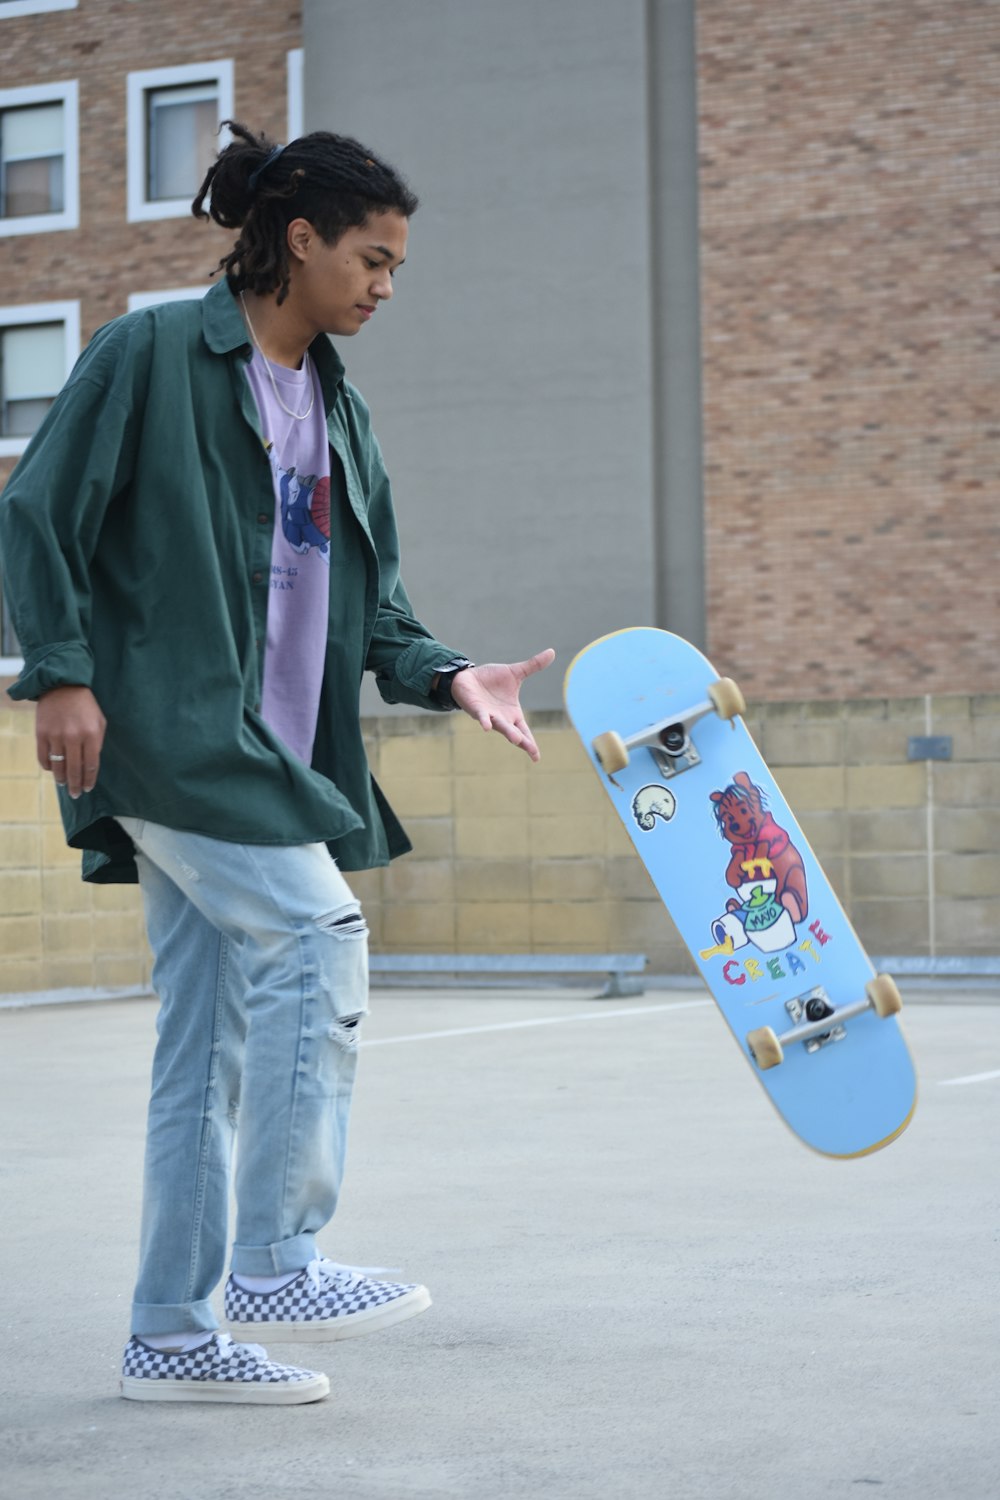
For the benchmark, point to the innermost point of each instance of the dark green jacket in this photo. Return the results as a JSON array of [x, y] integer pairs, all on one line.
[[136, 541]]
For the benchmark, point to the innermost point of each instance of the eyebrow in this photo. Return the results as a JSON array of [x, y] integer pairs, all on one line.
[[383, 250]]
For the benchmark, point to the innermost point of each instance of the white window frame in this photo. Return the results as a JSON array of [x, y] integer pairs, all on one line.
[[67, 313], [136, 300], [34, 7], [10, 666], [296, 97], [66, 93], [138, 85]]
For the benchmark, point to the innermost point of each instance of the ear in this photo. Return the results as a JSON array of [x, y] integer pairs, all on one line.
[[742, 779], [299, 237], [717, 796]]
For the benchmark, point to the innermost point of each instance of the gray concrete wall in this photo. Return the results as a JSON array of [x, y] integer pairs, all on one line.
[[510, 378]]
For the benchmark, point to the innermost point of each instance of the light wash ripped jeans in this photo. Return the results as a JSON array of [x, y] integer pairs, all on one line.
[[261, 967]]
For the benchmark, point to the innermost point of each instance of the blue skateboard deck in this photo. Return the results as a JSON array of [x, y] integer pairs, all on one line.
[[747, 894]]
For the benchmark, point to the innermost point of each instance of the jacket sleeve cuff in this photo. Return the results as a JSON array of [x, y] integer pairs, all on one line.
[[70, 663], [414, 671]]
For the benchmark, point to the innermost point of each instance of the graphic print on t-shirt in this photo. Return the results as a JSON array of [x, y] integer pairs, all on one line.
[[305, 510], [298, 454]]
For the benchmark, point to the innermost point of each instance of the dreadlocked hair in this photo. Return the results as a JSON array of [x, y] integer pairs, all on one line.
[[259, 188]]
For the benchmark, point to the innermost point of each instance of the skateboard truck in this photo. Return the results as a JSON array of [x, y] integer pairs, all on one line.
[[815, 1007], [674, 751], [819, 1022], [669, 740]]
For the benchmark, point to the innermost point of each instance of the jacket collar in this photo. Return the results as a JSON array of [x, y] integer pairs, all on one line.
[[225, 331]]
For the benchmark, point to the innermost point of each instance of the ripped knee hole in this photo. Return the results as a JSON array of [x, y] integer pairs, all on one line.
[[351, 925], [344, 1029]]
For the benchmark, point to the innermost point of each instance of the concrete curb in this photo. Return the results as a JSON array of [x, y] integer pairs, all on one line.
[[922, 985]]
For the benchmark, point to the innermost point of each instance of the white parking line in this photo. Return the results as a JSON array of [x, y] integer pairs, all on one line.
[[970, 1078], [582, 1015]]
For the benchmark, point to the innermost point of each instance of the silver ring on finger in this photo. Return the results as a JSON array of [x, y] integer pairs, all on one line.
[[57, 757]]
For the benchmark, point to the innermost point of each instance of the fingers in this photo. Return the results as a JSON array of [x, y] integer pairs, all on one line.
[[490, 693], [54, 762], [536, 663], [75, 765], [517, 734], [69, 735]]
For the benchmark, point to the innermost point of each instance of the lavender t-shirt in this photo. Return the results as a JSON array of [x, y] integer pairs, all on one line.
[[299, 598]]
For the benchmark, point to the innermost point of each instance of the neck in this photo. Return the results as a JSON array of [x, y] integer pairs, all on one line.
[[278, 331]]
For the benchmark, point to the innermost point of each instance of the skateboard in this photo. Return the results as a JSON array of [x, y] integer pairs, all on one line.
[[770, 939]]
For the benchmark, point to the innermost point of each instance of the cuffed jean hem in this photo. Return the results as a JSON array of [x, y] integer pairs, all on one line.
[[182, 1317], [274, 1260]]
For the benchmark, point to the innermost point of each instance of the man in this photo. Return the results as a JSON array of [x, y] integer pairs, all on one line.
[[202, 560]]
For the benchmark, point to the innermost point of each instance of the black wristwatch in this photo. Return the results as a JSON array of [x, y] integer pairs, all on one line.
[[441, 695]]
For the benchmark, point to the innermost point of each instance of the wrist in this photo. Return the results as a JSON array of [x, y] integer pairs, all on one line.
[[440, 690]]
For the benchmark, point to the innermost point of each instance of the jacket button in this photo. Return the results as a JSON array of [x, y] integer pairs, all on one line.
[[263, 518], [256, 578]]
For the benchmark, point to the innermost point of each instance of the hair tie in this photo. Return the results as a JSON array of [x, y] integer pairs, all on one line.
[[272, 156]]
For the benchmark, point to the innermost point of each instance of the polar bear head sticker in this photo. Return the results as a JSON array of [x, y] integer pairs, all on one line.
[[653, 802]]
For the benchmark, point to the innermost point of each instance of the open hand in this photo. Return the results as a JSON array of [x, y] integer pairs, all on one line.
[[491, 694]]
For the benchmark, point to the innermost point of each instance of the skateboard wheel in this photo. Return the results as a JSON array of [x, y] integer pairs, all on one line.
[[611, 752], [727, 700], [883, 996], [765, 1048]]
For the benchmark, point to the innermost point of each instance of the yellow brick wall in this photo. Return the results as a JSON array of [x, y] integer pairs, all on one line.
[[55, 932], [514, 857]]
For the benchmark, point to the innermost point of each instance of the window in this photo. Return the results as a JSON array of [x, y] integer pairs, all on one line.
[[295, 100], [174, 116], [173, 294], [38, 348], [10, 648], [31, 160], [33, 7], [32, 359], [180, 134], [38, 158]]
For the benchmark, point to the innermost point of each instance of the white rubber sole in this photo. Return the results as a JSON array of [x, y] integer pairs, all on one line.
[[334, 1329], [243, 1392]]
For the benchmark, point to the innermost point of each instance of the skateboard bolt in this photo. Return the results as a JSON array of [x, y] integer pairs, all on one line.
[[673, 739], [816, 1009]]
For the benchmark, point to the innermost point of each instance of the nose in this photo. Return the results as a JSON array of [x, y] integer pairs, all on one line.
[[382, 284]]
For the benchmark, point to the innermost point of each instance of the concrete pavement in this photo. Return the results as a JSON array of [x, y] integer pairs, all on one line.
[[644, 1286]]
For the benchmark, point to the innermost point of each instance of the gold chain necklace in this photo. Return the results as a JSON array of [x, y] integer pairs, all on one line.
[[299, 416]]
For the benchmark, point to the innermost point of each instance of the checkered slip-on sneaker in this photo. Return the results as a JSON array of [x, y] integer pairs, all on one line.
[[325, 1301], [217, 1371]]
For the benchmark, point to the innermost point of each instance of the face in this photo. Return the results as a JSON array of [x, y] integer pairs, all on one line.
[[338, 288]]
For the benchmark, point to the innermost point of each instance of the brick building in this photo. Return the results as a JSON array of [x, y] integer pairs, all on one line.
[[849, 241], [108, 118], [833, 534]]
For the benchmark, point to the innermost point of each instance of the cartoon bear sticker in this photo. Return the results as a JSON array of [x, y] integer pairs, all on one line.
[[744, 821]]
